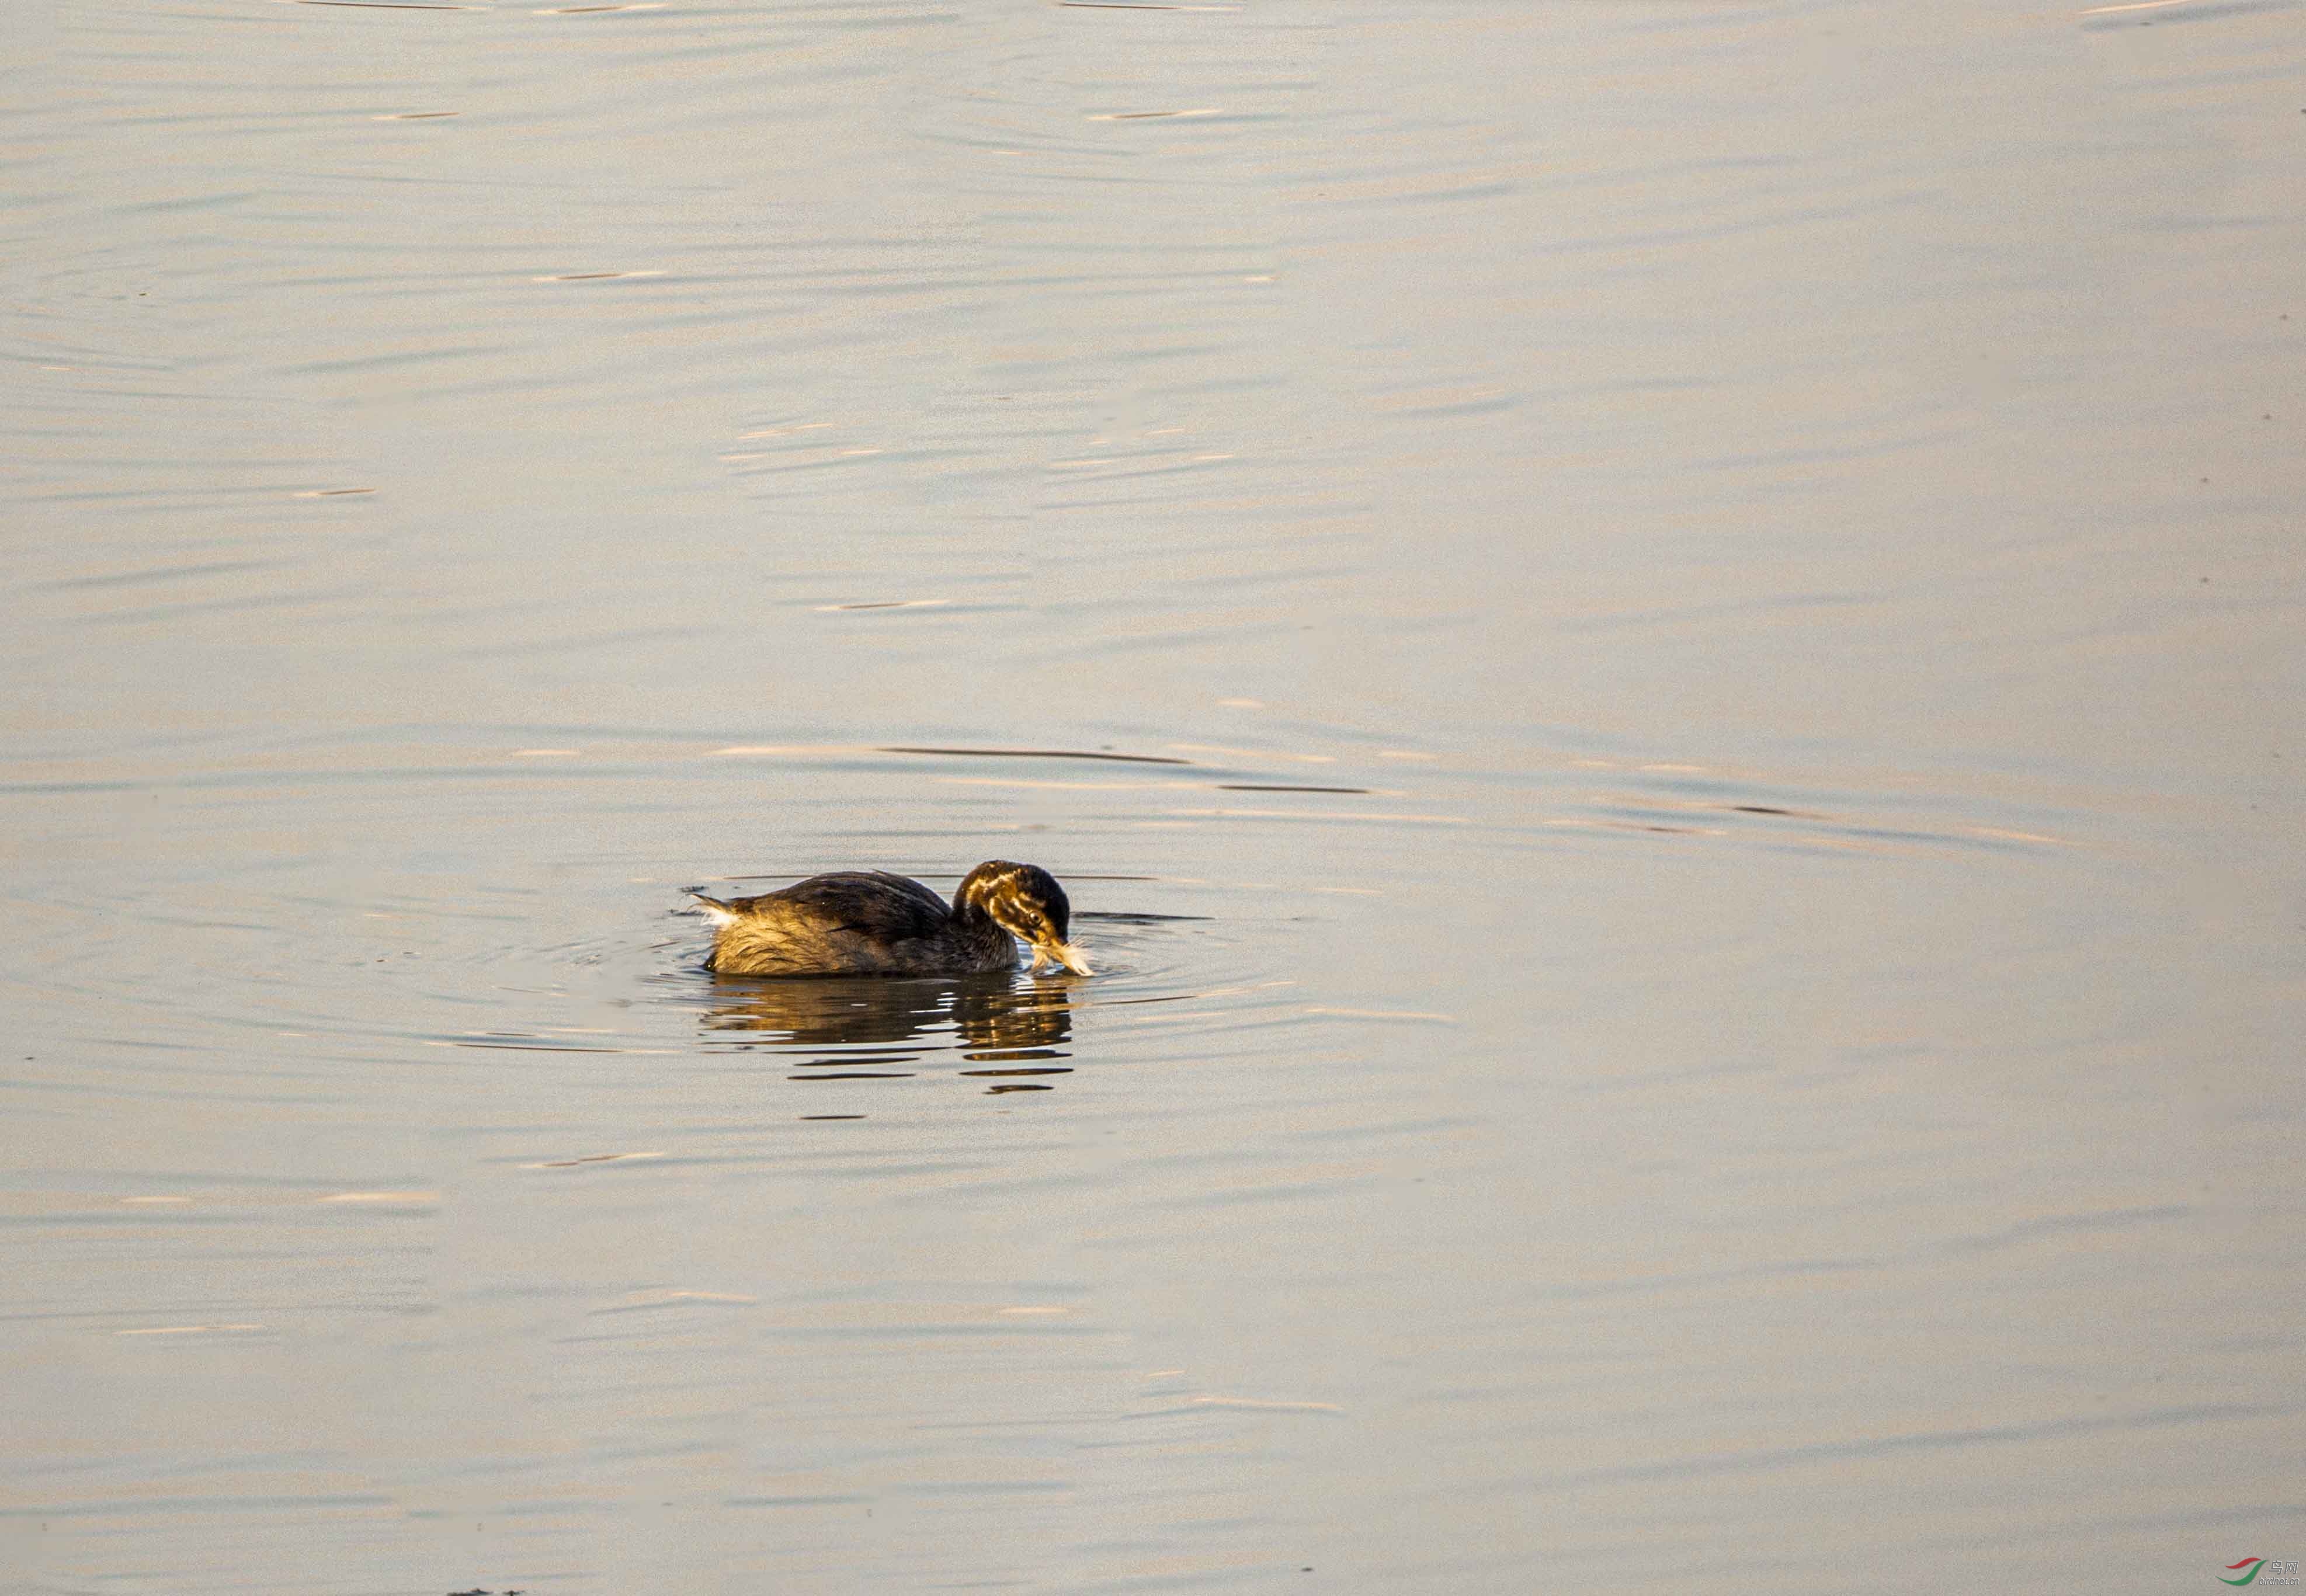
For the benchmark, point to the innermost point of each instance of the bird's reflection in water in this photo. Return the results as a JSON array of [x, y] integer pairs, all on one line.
[[1005, 1029]]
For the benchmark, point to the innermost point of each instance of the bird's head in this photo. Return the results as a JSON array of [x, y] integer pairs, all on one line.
[[1026, 902]]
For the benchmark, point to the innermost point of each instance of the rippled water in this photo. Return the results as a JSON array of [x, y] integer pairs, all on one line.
[[1659, 642]]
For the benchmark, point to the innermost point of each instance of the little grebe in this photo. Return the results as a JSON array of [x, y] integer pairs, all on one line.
[[871, 923]]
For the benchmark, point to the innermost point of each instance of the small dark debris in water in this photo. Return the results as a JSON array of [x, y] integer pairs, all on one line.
[[1759, 809], [1016, 1086], [833, 1117], [1276, 787], [858, 1075], [1038, 754], [1046, 1070]]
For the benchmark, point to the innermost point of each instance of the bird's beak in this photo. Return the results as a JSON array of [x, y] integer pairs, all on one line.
[[1063, 952]]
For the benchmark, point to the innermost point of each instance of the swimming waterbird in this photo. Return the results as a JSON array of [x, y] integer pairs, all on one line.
[[872, 923]]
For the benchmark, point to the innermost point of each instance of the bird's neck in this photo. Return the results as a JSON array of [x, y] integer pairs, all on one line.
[[985, 937]]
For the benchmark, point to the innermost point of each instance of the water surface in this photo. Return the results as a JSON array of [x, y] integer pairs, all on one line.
[[1659, 642]]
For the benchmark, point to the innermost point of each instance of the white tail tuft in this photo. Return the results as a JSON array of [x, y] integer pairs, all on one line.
[[721, 912]]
